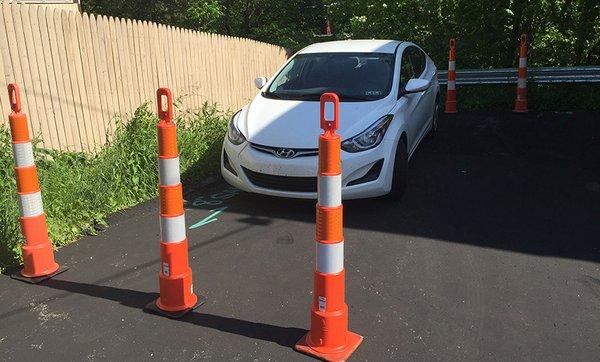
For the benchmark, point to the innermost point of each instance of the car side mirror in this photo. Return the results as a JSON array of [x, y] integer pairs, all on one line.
[[260, 82], [416, 85]]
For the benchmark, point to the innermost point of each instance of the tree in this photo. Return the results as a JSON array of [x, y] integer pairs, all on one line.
[[562, 32]]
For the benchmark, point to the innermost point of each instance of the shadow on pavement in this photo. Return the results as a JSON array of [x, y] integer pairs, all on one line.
[[526, 183], [284, 336], [120, 274]]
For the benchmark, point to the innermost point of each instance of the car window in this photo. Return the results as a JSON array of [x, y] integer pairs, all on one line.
[[353, 76], [418, 61], [406, 69]]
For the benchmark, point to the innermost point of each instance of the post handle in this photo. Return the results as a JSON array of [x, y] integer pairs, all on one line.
[[14, 97], [330, 124], [165, 115]]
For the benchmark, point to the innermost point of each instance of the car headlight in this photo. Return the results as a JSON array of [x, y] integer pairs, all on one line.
[[233, 133], [369, 138]]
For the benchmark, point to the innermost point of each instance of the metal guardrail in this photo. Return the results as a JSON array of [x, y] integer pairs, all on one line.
[[587, 74]]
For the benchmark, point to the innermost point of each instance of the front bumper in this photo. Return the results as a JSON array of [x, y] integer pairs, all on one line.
[[245, 163]]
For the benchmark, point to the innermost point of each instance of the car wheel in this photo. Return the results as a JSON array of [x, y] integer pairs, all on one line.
[[435, 120], [400, 176]]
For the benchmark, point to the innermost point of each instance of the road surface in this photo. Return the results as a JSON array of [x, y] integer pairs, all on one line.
[[493, 254]]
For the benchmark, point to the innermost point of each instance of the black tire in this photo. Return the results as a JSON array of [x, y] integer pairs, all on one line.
[[400, 176], [436, 117]]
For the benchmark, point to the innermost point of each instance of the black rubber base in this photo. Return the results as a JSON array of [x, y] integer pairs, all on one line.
[[153, 308], [17, 275]]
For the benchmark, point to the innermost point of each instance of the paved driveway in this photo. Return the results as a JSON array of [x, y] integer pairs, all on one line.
[[493, 254]]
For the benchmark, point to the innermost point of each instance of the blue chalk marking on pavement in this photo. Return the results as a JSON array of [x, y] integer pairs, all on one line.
[[210, 218], [213, 200]]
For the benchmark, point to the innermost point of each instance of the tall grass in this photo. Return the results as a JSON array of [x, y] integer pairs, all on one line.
[[80, 190]]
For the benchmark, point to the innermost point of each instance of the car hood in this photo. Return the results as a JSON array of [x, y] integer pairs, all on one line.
[[295, 124]]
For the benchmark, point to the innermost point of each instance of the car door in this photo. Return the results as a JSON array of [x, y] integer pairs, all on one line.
[[423, 110], [408, 102]]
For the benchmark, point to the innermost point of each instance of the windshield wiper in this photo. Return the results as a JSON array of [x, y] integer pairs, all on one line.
[[271, 95], [354, 98], [342, 97]]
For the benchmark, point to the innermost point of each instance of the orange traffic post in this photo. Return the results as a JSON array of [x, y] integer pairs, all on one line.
[[38, 254], [175, 276], [451, 86], [521, 101], [329, 338]]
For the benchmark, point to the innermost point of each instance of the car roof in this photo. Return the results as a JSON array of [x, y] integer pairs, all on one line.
[[351, 46]]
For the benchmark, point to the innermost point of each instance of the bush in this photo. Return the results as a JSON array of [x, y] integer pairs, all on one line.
[[80, 190], [540, 96]]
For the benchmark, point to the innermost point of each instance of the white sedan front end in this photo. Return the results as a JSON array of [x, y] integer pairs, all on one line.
[[271, 143], [252, 169]]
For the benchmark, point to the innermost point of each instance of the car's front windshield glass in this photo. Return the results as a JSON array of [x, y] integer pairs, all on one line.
[[352, 76]]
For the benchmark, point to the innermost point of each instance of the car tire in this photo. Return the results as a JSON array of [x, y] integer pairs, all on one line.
[[436, 118], [400, 175]]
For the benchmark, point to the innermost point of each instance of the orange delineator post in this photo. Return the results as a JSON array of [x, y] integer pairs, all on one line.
[[38, 254], [329, 338], [175, 277], [451, 85], [521, 101]]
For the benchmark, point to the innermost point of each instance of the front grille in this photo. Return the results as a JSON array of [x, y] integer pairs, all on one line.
[[282, 183], [296, 152]]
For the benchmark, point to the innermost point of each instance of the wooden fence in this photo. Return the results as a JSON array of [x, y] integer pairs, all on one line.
[[80, 72]]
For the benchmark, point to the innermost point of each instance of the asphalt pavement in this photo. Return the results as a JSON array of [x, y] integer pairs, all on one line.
[[492, 254]]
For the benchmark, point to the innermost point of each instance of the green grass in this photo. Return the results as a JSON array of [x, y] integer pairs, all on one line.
[[79, 190]]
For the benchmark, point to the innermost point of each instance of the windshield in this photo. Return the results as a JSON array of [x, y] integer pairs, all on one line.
[[352, 76]]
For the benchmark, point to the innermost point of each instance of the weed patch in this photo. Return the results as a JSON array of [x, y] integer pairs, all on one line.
[[80, 190]]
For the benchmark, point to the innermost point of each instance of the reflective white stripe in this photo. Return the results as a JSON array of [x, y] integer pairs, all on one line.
[[31, 204], [452, 65], [522, 62], [172, 229], [521, 83], [451, 84], [330, 257], [330, 190], [168, 171], [23, 154]]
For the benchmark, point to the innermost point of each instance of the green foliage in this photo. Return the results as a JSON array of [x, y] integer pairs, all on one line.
[[80, 190], [9, 211], [540, 97], [291, 24], [203, 15], [563, 33]]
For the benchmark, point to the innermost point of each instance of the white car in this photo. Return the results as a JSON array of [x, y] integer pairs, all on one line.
[[389, 101]]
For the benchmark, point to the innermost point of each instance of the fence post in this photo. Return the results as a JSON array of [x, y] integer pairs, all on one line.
[[38, 254], [451, 86], [329, 338], [521, 101], [175, 276]]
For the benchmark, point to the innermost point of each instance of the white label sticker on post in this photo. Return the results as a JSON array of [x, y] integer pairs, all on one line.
[[165, 269], [329, 115], [322, 304]]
